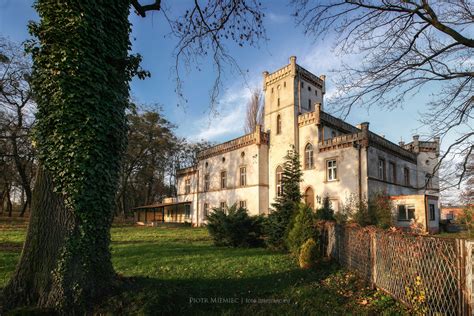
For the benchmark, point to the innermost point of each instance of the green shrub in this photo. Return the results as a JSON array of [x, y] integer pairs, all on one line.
[[302, 229], [277, 225], [308, 254], [235, 228], [325, 212], [279, 221], [377, 211]]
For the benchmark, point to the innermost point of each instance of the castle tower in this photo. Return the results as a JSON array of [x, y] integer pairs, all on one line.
[[289, 92]]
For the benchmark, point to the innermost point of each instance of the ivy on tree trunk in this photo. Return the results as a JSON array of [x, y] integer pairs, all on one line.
[[81, 71]]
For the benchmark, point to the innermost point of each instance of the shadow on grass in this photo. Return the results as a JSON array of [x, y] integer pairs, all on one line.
[[198, 295]]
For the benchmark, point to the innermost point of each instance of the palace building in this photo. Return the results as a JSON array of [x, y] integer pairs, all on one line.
[[339, 161]]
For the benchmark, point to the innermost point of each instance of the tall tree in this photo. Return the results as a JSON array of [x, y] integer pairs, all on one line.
[[286, 205], [80, 79], [255, 112], [18, 109], [404, 46]]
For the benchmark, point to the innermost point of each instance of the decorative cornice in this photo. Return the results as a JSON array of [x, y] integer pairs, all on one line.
[[308, 76]]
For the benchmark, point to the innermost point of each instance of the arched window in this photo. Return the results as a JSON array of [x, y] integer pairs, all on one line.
[[309, 197], [278, 124], [279, 176], [308, 157]]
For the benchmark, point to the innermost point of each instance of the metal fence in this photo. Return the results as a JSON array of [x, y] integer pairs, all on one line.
[[407, 266]]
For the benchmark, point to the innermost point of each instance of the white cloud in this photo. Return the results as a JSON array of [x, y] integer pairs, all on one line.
[[229, 120], [277, 18]]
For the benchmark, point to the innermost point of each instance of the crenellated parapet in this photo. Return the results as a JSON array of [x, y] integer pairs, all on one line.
[[338, 142], [257, 137]]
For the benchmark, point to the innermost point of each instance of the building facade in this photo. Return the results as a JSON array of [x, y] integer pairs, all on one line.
[[339, 160]]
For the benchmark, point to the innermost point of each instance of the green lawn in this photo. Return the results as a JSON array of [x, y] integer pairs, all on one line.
[[177, 270]]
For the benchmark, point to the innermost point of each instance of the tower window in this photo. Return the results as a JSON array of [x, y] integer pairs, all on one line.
[[272, 90], [308, 157], [278, 101], [279, 186], [309, 104], [284, 84], [278, 124], [316, 92], [302, 84], [243, 176], [309, 88]]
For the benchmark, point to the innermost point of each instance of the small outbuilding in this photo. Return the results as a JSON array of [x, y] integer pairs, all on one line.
[[169, 211]]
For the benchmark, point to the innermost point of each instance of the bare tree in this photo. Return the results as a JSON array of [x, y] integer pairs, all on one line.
[[404, 46], [255, 111], [17, 109]]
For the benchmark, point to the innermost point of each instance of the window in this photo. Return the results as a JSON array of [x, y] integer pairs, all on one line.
[[284, 84], [302, 84], [187, 211], [278, 124], [308, 157], [272, 89], [450, 215], [243, 204], [309, 104], [278, 101], [392, 171], [187, 186], [223, 179], [331, 170], [309, 88], [315, 92], [206, 182], [406, 212], [279, 186], [333, 134], [243, 176], [432, 212], [406, 176], [223, 205], [381, 168]]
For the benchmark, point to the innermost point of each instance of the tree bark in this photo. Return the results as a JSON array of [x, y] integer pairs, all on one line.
[[53, 272]]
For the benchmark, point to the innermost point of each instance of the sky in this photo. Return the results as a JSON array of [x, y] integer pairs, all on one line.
[[193, 119]]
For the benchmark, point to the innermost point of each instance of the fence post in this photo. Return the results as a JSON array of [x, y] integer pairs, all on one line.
[[468, 276], [373, 253]]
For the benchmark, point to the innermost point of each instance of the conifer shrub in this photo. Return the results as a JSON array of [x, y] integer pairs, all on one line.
[[308, 254], [279, 221], [325, 213], [303, 228], [235, 228]]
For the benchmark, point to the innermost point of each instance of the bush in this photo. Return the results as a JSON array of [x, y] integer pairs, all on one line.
[[377, 211], [325, 213], [277, 225], [302, 229], [308, 254], [235, 228]]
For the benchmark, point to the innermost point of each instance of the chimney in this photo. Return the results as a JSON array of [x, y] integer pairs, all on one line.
[[292, 60], [416, 143], [401, 143], [364, 126], [265, 75], [322, 77]]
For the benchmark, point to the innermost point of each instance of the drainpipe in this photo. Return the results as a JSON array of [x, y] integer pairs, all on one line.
[[359, 148], [426, 214]]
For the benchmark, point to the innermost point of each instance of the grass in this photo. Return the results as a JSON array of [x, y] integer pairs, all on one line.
[[179, 271]]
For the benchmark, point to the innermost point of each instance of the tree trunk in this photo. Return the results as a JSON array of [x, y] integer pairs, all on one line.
[[9, 201], [53, 272]]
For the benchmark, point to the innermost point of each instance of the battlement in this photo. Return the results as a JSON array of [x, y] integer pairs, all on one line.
[[257, 137]]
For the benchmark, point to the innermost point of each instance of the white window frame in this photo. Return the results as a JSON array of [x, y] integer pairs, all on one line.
[[243, 204], [382, 169], [279, 184], [243, 176], [206, 182], [187, 211], [432, 208], [309, 156], [407, 208], [331, 169], [187, 186], [223, 179], [205, 209]]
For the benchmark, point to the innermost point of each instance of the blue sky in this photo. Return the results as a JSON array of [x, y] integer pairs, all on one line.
[[193, 119]]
